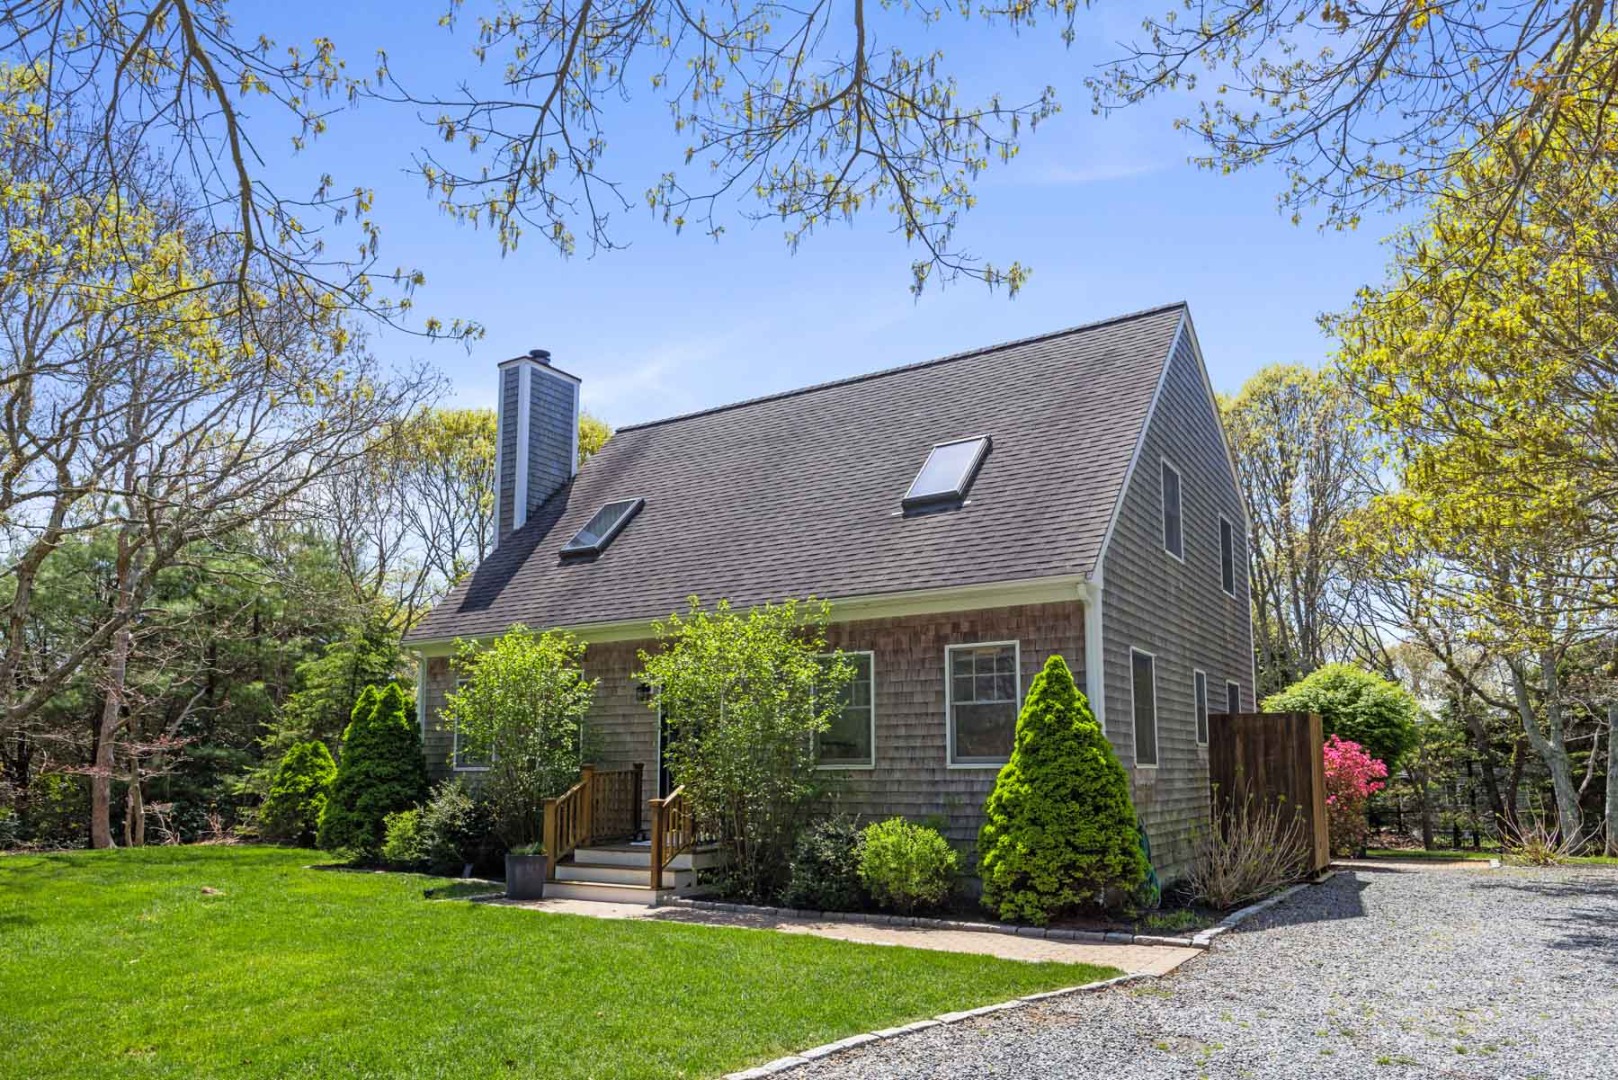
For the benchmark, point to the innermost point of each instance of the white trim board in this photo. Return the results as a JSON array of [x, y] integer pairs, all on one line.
[[949, 700]]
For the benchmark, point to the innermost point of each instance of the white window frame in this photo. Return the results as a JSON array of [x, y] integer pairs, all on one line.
[[949, 699], [1199, 705], [1163, 506], [1134, 721], [1231, 684], [1226, 523], [455, 742], [855, 766]]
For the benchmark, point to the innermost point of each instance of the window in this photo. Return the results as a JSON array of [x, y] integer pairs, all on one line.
[[1143, 668], [947, 472], [1200, 692], [982, 694], [1233, 697], [1227, 556], [465, 759], [607, 523], [1173, 538], [850, 742]]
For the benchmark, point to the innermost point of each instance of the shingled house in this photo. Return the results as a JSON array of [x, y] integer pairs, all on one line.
[[1069, 493]]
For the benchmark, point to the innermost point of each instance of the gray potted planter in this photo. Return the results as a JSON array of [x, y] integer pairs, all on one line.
[[525, 873]]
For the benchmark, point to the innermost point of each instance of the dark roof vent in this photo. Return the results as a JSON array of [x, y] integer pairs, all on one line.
[[542, 355]]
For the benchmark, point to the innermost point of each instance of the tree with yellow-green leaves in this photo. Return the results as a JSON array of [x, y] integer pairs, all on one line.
[[140, 405], [1490, 363]]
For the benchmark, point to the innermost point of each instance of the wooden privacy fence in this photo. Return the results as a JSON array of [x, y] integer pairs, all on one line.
[[1270, 757]]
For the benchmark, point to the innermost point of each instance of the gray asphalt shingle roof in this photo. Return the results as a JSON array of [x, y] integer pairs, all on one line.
[[798, 494]]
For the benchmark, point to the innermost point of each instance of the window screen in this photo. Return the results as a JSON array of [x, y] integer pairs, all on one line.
[[947, 472], [1145, 685], [1173, 540], [984, 689], [1227, 556], [1201, 689]]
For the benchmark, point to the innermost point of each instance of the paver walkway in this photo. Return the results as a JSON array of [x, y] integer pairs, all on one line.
[[1130, 959]]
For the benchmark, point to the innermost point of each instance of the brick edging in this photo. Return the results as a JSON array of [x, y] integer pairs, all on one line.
[[1116, 937], [815, 1053]]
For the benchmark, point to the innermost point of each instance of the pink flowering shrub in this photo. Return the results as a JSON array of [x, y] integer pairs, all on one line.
[[1352, 777]]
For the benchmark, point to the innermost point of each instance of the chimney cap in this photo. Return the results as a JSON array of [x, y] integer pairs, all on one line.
[[542, 355]]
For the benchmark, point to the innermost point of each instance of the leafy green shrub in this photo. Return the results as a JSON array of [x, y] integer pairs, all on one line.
[[826, 867], [522, 710], [10, 828], [298, 793], [57, 811], [382, 771], [403, 846], [456, 829], [745, 695], [1359, 706], [906, 867], [1059, 828]]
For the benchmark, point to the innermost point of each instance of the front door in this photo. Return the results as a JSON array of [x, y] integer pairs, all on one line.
[[665, 737]]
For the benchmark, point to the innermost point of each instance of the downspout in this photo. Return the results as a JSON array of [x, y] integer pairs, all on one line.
[[1095, 682]]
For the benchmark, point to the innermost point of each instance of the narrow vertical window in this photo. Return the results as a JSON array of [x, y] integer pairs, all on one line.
[[1173, 530], [1201, 689], [465, 758], [1227, 556], [1233, 697], [1144, 680]]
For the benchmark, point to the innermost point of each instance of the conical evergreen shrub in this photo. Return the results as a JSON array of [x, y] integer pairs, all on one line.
[[298, 792], [1059, 827], [381, 771]]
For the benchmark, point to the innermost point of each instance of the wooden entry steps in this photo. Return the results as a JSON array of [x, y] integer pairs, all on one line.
[[621, 874]]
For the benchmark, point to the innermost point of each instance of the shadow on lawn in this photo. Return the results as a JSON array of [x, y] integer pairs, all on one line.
[[1591, 926]]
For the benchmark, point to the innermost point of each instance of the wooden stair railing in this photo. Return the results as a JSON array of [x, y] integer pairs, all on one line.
[[603, 805], [673, 831]]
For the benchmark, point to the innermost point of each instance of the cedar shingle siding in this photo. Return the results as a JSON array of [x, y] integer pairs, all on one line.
[[1176, 610], [508, 451], [911, 776]]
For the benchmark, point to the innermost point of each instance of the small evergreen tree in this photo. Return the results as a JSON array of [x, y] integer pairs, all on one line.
[[381, 771], [1059, 827], [298, 793]]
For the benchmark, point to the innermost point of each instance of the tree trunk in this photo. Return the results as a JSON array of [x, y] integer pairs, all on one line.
[[1612, 779], [112, 705], [1551, 746], [1491, 784]]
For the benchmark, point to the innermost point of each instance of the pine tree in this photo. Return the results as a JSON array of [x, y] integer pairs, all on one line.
[[382, 770], [1059, 828], [297, 797]]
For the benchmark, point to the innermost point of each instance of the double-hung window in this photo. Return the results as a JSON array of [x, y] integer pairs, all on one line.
[[983, 690], [464, 758], [1200, 694], [1173, 525], [850, 741], [1143, 679]]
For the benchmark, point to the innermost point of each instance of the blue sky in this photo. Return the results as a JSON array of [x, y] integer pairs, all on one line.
[[1107, 211]]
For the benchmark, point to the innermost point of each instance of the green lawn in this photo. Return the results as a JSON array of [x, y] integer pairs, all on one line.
[[1477, 856], [120, 964]]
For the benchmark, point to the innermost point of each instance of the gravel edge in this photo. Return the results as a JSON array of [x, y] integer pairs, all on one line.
[[1116, 937], [815, 1053]]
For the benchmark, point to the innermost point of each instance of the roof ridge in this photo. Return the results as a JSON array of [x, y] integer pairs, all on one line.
[[882, 373]]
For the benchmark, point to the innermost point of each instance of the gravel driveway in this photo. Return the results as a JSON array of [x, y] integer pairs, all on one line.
[[1391, 973]]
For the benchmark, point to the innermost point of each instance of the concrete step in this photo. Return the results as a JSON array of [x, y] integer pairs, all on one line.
[[606, 893], [702, 858], [618, 874]]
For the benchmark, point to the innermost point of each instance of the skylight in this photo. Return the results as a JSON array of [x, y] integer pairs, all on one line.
[[600, 529], [947, 472]]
